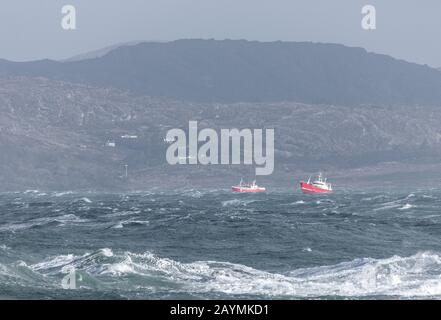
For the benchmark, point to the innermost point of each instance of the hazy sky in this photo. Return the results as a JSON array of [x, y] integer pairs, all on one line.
[[406, 29]]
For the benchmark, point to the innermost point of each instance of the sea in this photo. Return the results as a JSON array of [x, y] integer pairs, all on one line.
[[213, 244]]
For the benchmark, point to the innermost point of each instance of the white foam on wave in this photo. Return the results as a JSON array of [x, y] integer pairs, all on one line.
[[86, 200], [4, 247], [31, 191], [415, 276], [324, 201], [236, 203], [382, 196], [64, 193], [117, 213], [406, 207], [60, 264], [418, 275], [196, 194], [293, 203], [107, 252], [192, 193], [55, 262], [118, 226], [121, 224], [387, 207]]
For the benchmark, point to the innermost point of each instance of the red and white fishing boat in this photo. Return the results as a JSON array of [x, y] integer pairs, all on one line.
[[318, 186], [248, 188]]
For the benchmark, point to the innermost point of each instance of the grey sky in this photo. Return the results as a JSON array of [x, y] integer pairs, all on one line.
[[406, 29]]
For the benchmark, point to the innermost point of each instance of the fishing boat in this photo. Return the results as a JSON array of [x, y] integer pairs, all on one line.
[[318, 186], [248, 188]]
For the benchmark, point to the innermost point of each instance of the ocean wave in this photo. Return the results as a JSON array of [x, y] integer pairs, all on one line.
[[259, 232], [129, 222], [61, 194], [406, 207], [86, 200], [89, 262], [374, 198], [236, 203], [387, 206], [324, 201], [294, 203], [415, 276], [31, 191], [118, 213], [62, 220]]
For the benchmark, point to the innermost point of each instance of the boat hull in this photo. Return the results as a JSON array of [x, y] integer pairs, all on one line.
[[310, 189], [247, 190]]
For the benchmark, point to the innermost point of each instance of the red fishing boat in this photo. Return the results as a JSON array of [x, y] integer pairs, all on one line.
[[248, 188], [318, 186]]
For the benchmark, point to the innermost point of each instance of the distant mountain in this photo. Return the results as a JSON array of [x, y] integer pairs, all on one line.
[[244, 71], [99, 53]]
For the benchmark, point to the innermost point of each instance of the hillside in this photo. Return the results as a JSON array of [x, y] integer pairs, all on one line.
[[53, 135]]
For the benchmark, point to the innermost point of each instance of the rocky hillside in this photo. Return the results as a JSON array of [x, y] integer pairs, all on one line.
[[59, 135]]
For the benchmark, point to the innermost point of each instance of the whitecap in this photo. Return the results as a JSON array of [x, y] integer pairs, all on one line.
[[386, 207], [60, 194], [107, 252], [234, 202], [121, 224], [87, 200], [31, 191], [414, 276]]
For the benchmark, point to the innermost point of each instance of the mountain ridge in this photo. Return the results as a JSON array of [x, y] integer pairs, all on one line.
[[229, 71]]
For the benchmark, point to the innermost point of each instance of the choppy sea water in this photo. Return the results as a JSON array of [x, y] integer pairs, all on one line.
[[214, 244]]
